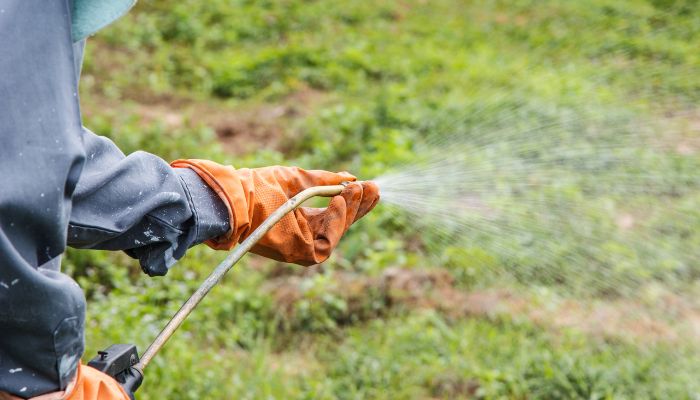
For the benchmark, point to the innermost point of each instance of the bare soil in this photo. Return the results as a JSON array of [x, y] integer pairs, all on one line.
[[681, 132], [670, 319], [240, 129]]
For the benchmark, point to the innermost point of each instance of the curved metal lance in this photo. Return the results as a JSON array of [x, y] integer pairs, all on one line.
[[234, 256], [121, 361]]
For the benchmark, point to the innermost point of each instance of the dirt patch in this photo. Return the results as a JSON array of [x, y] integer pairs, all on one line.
[[625, 221], [240, 129], [624, 320], [454, 387], [688, 147], [669, 319], [269, 126], [679, 132], [245, 131], [418, 288]]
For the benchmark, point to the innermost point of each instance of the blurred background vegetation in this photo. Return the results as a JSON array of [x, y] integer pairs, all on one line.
[[356, 86]]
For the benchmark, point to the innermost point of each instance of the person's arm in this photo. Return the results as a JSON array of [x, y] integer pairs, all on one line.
[[139, 204], [155, 212]]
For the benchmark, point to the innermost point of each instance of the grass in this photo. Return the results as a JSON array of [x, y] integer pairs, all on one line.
[[357, 86]]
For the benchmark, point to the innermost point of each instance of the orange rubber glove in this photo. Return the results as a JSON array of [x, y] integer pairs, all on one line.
[[305, 236], [91, 384]]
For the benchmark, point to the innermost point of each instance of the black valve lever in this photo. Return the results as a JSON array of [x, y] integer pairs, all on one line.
[[118, 361]]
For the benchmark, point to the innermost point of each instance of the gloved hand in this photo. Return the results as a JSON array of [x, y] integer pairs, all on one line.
[[91, 384], [305, 236]]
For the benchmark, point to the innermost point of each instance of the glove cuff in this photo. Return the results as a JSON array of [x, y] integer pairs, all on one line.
[[225, 182]]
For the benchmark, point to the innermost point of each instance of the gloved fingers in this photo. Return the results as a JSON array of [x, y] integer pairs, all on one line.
[[330, 224], [352, 194], [370, 198], [349, 204], [327, 226]]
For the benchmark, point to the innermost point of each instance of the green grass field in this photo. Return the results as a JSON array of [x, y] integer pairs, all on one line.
[[357, 86]]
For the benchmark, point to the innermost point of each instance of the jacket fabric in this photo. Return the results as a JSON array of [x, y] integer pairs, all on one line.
[[61, 184]]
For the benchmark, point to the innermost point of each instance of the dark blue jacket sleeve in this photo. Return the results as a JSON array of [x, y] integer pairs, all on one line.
[[141, 205]]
